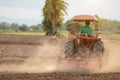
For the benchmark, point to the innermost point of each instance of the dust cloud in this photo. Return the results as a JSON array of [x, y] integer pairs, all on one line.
[[43, 60], [111, 58]]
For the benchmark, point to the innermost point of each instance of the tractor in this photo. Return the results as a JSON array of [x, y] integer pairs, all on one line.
[[82, 51]]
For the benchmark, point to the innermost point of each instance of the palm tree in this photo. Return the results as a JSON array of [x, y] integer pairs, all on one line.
[[53, 11]]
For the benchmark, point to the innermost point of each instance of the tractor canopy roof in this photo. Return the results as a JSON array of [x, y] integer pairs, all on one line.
[[83, 18]]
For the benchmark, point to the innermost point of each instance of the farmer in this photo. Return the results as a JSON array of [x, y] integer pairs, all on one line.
[[86, 29]]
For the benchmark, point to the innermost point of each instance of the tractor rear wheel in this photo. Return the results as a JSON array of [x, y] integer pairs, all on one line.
[[98, 48], [69, 49]]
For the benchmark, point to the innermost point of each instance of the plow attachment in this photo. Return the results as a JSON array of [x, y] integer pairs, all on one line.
[[74, 64]]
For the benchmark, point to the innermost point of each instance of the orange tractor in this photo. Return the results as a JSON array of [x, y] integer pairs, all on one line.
[[82, 51]]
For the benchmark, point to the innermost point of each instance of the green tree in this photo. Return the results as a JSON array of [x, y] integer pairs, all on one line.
[[4, 26], [36, 28], [53, 12], [14, 26], [47, 25], [23, 27]]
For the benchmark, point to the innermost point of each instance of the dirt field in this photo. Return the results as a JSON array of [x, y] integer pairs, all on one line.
[[59, 76], [35, 58]]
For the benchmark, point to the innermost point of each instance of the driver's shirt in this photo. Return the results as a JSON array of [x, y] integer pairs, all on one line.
[[86, 30]]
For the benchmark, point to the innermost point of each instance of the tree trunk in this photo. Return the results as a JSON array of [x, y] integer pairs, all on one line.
[[53, 27]]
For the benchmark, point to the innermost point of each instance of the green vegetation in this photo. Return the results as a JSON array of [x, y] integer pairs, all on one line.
[[105, 26], [14, 27], [108, 26]]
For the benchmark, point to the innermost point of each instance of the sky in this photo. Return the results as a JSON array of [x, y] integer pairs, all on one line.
[[32, 9]]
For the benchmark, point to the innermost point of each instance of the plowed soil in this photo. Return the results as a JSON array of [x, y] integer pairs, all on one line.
[[35, 58], [59, 76]]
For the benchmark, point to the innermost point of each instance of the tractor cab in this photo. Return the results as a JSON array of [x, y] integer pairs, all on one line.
[[83, 19]]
